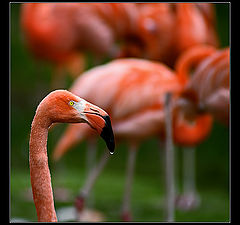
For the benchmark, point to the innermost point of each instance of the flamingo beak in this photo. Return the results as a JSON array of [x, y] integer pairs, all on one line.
[[99, 120]]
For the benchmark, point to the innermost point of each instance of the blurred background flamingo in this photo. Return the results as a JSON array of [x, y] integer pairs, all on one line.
[[208, 88], [136, 90], [206, 91]]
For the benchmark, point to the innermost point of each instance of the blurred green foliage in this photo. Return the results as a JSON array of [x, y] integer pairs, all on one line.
[[30, 82]]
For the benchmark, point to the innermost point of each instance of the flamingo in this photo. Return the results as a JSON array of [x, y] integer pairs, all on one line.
[[135, 93], [51, 39], [192, 29], [169, 29], [64, 107], [61, 32], [206, 91]]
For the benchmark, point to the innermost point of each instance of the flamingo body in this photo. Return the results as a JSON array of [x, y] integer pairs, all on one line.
[[134, 90]]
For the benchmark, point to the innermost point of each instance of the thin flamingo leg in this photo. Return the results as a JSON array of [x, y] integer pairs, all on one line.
[[126, 211], [190, 198], [91, 179], [169, 160], [90, 163]]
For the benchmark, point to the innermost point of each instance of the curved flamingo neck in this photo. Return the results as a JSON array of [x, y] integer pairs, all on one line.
[[189, 58], [39, 170]]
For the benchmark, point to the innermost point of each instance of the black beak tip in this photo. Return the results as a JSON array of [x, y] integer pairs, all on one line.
[[111, 146], [107, 134]]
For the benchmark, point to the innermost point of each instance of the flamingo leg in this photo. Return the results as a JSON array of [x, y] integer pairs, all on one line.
[[169, 160], [126, 215], [190, 198], [177, 171], [189, 170], [91, 179], [90, 163]]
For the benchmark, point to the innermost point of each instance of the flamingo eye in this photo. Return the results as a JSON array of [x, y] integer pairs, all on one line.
[[71, 103]]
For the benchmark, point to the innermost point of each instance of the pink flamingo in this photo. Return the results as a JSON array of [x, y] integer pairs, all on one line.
[[168, 29], [61, 33], [135, 94], [206, 91], [64, 107]]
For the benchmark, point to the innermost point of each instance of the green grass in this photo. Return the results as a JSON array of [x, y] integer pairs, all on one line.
[[147, 196], [148, 188]]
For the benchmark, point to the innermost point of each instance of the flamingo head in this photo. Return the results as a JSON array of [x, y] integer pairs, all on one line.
[[64, 107]]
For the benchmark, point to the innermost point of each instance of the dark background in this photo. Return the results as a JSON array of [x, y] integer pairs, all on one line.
[[30, 82]]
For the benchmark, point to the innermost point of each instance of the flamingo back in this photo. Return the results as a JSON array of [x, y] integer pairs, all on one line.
[[126, 86]]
